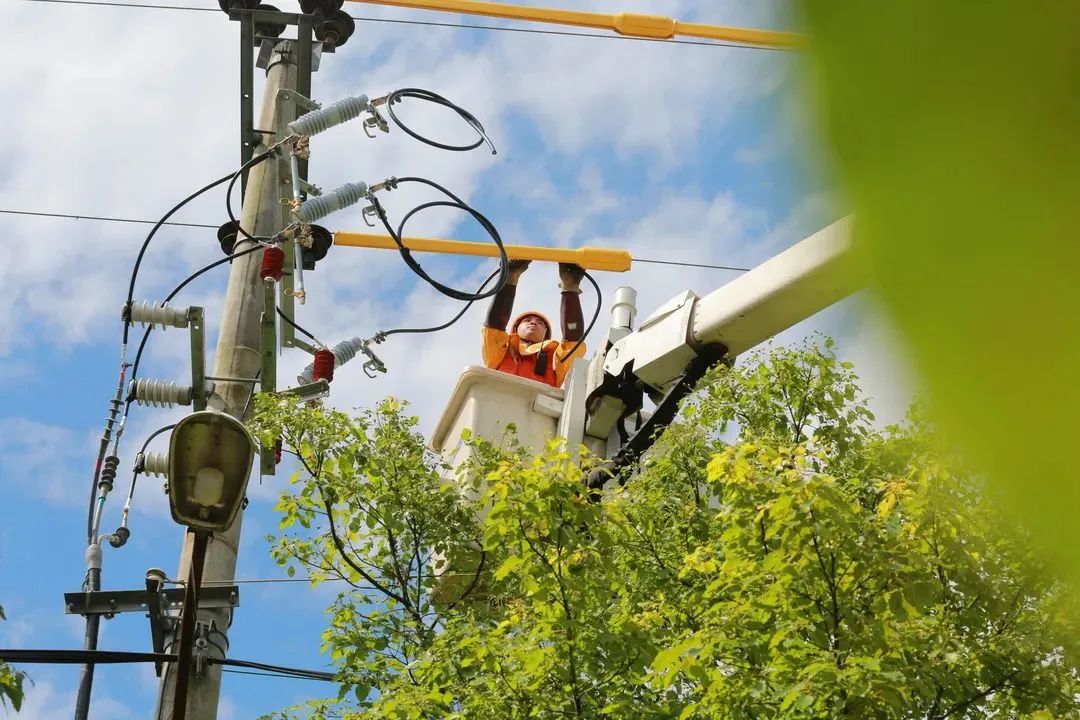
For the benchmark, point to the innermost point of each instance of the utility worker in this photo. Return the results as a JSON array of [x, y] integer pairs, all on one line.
[[529, 350]]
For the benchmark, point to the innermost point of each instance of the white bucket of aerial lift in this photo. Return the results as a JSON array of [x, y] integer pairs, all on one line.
[[486, 402]]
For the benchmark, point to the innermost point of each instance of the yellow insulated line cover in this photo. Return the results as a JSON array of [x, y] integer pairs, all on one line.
[[605, 259], [655, 27]]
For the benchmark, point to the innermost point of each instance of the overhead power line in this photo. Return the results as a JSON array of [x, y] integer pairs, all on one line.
[[100, 218], [431, 23], [690, 264], [102, 657], [259, 673]]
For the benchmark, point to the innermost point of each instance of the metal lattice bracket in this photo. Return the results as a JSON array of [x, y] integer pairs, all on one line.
[[112, 602], [307, 61]]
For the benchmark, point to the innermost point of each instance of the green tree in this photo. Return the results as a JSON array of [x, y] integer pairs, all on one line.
[[11, 682], [775, 556]]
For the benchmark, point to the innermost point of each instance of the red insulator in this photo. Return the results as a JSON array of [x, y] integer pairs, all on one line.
[[324, 366], [277, 451], [273, 263]]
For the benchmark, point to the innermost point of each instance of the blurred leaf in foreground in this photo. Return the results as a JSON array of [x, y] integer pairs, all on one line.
[[954, 126]]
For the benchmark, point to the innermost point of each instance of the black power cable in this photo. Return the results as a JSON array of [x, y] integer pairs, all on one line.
[[428, 96], [79, 657], [297, 328], [176, 291], [232, 183], [383, 334], [142, 451], [454, 202], [153, 231]]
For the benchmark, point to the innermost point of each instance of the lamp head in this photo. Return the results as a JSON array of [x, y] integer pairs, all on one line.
[[210, 458]]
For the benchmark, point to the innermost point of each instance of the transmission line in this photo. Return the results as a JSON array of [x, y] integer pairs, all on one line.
[[105, 218]]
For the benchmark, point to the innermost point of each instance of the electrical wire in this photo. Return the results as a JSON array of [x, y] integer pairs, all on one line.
[[79, 657], [295, 672], [455, 202], [153, 231], [101, 218], [297, 328], [103, 657], [383, 334], [283, 676], [428, 96], [135, 472], [68, 216], [232, 183], [176, 291], [690, 264], [596, 314], [455, 26]]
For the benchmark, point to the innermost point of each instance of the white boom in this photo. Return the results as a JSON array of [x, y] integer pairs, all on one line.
[[790, 287]]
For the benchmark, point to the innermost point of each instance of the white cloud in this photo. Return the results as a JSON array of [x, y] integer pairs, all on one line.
[[44, 701], [40, 456]]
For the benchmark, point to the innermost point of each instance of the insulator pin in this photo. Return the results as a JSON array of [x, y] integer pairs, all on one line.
[[343, 352], [147, 312], [155, 463], [108, 472], [159, 393], [319, 207], [335, 113]]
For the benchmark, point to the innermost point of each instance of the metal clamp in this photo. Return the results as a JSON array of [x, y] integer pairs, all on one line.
[[207, 636], [375, 122], [374, 365]]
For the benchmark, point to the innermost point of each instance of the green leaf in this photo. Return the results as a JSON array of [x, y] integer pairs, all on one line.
[[957, 155]]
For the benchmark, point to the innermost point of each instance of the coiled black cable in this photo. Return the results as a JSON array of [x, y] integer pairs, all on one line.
[[428, 96], [454, 202]]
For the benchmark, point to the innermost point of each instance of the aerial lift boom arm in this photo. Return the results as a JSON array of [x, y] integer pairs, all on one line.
[[788, 288]]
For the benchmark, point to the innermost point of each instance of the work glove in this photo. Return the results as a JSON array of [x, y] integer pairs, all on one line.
[[517, 269], [570, 276]]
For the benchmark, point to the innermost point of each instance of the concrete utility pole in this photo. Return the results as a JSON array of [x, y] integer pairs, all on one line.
[[237, 355]]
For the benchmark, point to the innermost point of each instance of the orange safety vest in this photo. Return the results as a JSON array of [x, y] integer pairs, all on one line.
[[524, 365], [504, 352]]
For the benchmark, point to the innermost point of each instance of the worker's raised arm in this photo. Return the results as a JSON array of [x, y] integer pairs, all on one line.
[[502, 305], [573, 323]]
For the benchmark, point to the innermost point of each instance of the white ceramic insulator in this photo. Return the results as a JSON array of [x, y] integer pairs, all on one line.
[[344, 351], [148, 312], [156, 464], [319, 207], [335, 113], [160, 393]]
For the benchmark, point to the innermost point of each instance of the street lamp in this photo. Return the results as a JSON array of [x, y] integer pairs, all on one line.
[[210, 457]]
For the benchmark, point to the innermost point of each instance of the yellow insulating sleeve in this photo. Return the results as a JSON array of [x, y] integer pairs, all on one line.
[[656, 27], [590, 258]]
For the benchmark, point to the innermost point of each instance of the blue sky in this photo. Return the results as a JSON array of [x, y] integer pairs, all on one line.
[[677, 152]]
